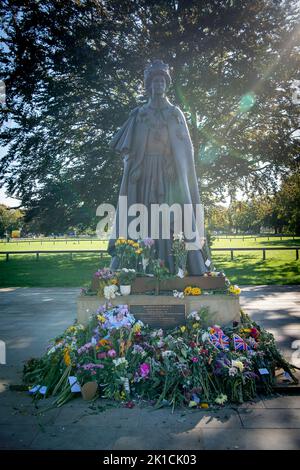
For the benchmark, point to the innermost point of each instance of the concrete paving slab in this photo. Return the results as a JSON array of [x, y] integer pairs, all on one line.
[[17, 436], [282, 402], [79, 437], [251, 439], [286, 418]]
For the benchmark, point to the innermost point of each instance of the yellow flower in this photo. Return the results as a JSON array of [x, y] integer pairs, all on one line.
[[195, 325], [136, 328], [182, 329], [114, 281], [71, 329], [238, 364], [135, 244], [123, 396], [245, 330], [204, 405], [67, 357], [211, 330], [101, 318], [192, 404], [139, 251], [188, 290], [196, 291], [234, 290]]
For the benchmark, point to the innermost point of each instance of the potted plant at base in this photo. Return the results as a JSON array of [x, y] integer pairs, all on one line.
[[160, 272], [126, 278]]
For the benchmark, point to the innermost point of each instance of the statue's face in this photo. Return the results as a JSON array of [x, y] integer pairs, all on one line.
[[158, 85]]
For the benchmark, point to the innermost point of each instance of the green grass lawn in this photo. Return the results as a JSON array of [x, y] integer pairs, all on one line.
[[60, 270]]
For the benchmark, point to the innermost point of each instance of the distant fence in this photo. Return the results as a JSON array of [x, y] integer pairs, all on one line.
[[247, 237], [37, 253], [50, 240], [96, 240], [263, 250]]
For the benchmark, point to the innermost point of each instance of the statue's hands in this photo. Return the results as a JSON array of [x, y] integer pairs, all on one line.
[[135, 175]]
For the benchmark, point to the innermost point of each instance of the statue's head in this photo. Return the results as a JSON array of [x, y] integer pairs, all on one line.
[[157, 77]]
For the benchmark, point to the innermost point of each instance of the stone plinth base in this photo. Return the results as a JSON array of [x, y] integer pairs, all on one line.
[[166, 311]]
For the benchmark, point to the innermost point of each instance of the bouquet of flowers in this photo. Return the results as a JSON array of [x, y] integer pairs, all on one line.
[[189, 364], [126, 276], [180, 254], [146, 246], [128, 252], [105, 277]]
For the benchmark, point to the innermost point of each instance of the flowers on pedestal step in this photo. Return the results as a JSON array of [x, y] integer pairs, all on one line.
[[146, 247], [180, 254], [234, 289], [105, 278], [125, 278]]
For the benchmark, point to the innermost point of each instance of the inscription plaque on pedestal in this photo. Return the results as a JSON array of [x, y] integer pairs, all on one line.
[[160, 316]]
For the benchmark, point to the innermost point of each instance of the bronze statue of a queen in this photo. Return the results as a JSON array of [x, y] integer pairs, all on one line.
[[159, 171]]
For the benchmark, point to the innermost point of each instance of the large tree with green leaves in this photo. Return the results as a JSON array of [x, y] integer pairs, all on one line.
[[73, 71]]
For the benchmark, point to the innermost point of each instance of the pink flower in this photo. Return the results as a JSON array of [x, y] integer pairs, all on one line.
[[129, 404], [144, 369], [101, 355], [195, 359], [111, 353]]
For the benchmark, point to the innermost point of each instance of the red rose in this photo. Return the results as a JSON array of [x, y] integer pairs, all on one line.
[[254, 333]]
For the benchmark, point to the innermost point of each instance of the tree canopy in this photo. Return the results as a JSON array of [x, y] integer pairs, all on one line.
[[73, 71]]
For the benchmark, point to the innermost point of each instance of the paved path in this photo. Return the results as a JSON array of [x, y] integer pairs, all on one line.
[[29, 317]]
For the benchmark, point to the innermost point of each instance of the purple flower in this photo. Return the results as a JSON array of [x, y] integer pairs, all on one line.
[[101, 309], [84, 348], [111, 353], [195, 359], [148, 242], [137, 349], [91, 366], [144, 370], [104, 273]]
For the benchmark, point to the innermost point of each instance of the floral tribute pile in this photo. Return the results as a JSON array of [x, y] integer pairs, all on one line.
[[189, 365]]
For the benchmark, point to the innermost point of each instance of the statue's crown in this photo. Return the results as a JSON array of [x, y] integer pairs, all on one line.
[[155, 67]]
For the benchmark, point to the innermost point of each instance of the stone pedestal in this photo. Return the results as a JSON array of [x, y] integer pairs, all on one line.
[[165, 312]]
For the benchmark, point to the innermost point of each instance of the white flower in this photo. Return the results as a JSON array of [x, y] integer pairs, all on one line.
[[178, 236], [110, 291], [194, 316], [238, 364], [160, 343], [221, 399], [178, 294], [205, 336], [120, 361], [180, 273], [232, 371], [168, 353]]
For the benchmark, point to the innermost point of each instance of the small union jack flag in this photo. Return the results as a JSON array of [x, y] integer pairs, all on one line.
[[240, 344], [220, 340]]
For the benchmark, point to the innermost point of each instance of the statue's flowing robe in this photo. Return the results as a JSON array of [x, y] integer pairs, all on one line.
[[131, 142]]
